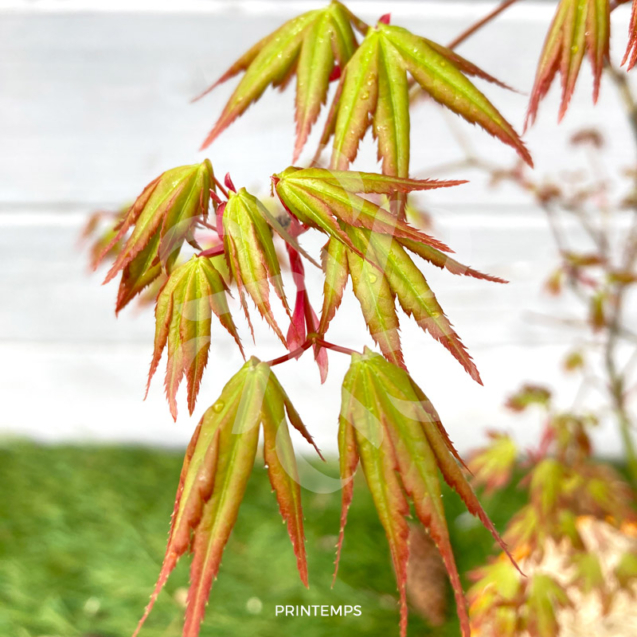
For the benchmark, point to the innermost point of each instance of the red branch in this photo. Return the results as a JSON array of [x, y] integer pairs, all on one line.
[[465, 35]]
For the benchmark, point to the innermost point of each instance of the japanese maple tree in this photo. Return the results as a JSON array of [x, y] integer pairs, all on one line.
[[387, 425]]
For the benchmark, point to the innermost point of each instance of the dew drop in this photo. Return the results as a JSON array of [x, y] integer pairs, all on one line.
[[218, 406], [373, 278]]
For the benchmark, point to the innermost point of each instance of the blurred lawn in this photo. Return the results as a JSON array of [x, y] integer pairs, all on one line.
[[83, 531]]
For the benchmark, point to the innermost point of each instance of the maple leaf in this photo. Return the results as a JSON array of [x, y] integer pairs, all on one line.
[[410, 288], [579, 27], [183, 317], [497, 586], [368, 243], [249, 248], [626, 570], [547, 484], [493, 465], [631, 50], [218, 463], [597, 311], [328, 201], [377, 300], [387, 423], [99, 237], [545, 598], [145, 268], [336, 270], [374, 91], [161, 219], [313, 46], [528, 395], [588, 575]]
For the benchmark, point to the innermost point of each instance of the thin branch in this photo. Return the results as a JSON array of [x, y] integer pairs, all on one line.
[[336, 348], [415, 89], [311, 341], [629, 367], [620, 79], [567, 322], [465, 35], [221, 187], [296, 353], [617, 380]]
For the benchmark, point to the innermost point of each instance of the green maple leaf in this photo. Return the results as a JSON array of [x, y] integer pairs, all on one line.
[[140, 273], [494, 597], [493, 465], [164, 216], [183, 317], [626, 570], [308, 46], [368, 243], [389, 425], [579, 27], [213, 479], [145, 268], [413, 293], [545, 598], [498, 579], [249, 248], [328, 201], [588, 575], [374, 91]]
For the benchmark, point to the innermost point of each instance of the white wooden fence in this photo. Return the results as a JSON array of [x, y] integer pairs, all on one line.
[[94, 102]]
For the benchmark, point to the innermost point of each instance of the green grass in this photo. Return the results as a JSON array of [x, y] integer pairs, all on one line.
[[83, 530]]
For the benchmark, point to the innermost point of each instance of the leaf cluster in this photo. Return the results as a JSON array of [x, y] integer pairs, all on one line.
[[387, 425], [566, 487]]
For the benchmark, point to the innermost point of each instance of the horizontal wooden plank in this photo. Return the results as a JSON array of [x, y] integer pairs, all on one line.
[[95, 104], [55, 298], [91, 393]]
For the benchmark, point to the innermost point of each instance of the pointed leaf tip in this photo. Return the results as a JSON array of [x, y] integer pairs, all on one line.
[[309, 46], [374, 91], [630, 56], [252, 256], [185, 305], [214, 476], [159, 222], [403, 449], [580, 27], [228, 182]]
